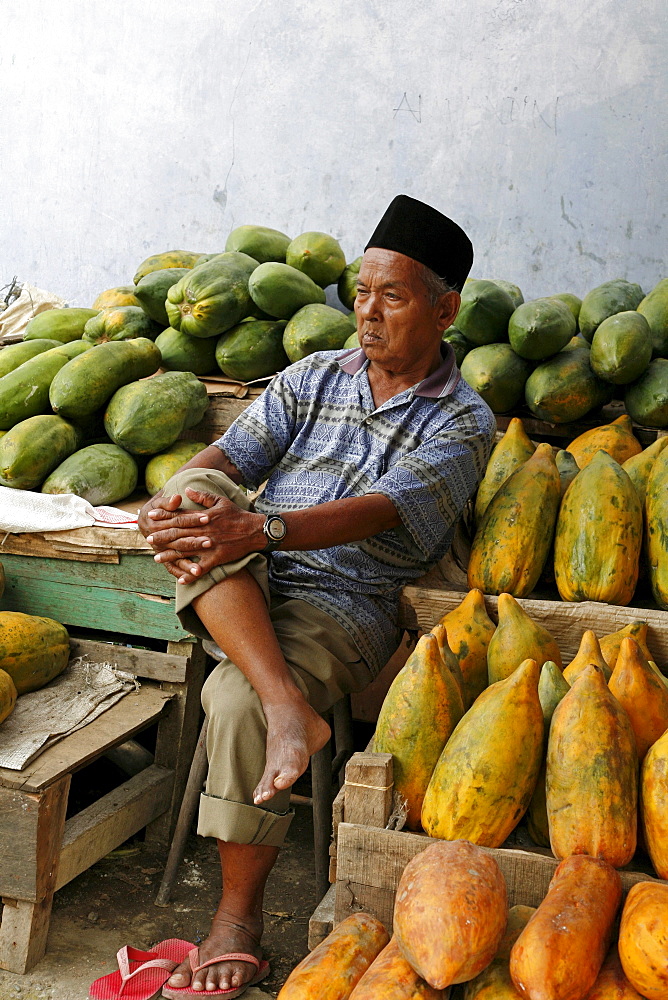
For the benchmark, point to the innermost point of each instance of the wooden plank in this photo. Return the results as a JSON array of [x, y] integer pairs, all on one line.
[[31, 829], [321, 921], [33, 544], [78, 544], [370, 862], [422, 607], [542, 430], [140, 662], [222, 412], [369, 787], [98, 608], [119, 723], [105, 824], [134, 573]]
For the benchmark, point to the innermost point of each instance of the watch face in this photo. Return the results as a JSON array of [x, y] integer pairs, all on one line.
[[276, 528]]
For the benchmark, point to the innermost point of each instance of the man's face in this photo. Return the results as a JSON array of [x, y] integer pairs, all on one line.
[[396, 324]]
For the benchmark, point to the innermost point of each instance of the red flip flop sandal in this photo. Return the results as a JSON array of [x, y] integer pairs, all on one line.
[[173, 993], [141, 974]]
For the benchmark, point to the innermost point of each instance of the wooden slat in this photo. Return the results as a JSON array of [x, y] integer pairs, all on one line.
[[140, 662], [131, 714], [422, 607], [132, 572], [31, 828], [370, 862], [100, 608], [105, 824], [222, 412], [78, 544], [321, 921], [368, 789]]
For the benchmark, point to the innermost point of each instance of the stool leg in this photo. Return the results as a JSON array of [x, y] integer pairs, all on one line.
[[196, 777], [321, 782], [343, 737]]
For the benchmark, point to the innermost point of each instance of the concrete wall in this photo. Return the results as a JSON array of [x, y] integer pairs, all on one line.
[[129, 128]]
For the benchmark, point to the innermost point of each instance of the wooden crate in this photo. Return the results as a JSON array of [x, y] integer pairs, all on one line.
[[562, 433]]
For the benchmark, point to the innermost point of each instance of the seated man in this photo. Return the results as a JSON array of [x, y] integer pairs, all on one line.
[[369, 456]]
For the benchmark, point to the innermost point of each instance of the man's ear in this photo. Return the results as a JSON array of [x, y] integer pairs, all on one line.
[[448, 307]]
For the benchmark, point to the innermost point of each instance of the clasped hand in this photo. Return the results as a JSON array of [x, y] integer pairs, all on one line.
[[190, 543]]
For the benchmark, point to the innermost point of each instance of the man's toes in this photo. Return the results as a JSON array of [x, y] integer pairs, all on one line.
[[180, 977], [286, 778]]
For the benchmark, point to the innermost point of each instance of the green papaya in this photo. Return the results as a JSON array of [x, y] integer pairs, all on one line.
[[259, 242], [151, 292], [564, 387], [347, 284], [646, 400], [32, 448], [572, 301], [280, 290], [497, 374], [352, 319], [119, 323], [621, 347], [568, 468], [183, 353], [458, 342], [514, 291], [654, 307], [317, 255], [252, 350], [85, 384], [59, 324], [315, 328], [352, 341], [146, 417], [171, 258], [162, 467], [484, 312], [24, 392], [540, 328], [605, 300], [213, 297], [100, 474], [14, 355]]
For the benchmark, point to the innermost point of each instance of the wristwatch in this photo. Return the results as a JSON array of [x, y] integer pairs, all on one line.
[[275, 529]]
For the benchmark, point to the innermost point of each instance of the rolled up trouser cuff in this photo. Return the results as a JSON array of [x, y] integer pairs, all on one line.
[[238, 823]]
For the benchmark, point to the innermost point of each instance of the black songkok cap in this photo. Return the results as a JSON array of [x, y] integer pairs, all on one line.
[[417, 230]]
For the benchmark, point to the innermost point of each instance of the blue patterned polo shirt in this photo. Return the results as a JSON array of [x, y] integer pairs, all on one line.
[[316, 435]]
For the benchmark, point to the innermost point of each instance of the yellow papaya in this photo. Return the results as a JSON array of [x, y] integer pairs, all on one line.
[[470, 629], [639, 467], [653, 798], [611, 643], [8, 695], [537, 824], [420, 711], [589, 652], [448, 657], [122, 295], [512, 451], [517, 638], [640, 692], [486, 774], [599, 534], [617, 439], [592, 768], [32, 650], [513, 539], [656, 510], [170, 258], [552, 687]]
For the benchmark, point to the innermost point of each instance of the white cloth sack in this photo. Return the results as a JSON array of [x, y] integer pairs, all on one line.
[[22, 510], [15, 318], [72, 700]]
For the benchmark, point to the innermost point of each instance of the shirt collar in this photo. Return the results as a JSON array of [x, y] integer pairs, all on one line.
[[440, 383]]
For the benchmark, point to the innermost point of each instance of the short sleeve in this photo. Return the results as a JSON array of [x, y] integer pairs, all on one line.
[[261, 435], [430, 486]]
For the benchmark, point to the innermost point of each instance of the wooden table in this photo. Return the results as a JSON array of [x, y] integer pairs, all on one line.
[[103, 580]]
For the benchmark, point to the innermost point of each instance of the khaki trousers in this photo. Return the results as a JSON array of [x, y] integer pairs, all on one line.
[[322, 657]]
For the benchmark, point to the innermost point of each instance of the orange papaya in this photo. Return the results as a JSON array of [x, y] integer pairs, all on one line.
[[450, 912], [470, 629], [449, 659], [589, 652], [656, 516], [494, 982], [559, 954], [610, 643], [611, 982], [390, 977], [421, 709], [643, 939], [617, 439], [513, 538], [653, 798], [333, 969], [592, 768], [486, 774], [536, 815], [641, 693], [512, 451], [517, 637], [639, 467]]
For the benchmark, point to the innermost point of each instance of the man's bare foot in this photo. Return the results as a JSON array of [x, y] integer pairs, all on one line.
[[295, 731], [227, 935]]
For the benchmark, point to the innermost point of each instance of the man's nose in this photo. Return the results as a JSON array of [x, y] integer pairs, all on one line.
[[369, 308]]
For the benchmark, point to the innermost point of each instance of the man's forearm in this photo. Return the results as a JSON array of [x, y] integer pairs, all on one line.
[[213, 458], [339, 522]]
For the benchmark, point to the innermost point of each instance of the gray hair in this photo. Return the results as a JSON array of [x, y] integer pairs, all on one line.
[[436, 287]]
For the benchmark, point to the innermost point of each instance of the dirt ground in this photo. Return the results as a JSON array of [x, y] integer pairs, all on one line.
[[112, 904]]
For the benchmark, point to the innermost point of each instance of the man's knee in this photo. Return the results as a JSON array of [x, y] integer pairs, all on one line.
[[231, 703], [204, 481]]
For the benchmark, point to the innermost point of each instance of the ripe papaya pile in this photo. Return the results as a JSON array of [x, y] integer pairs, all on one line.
[[595, 514], [33, 651]]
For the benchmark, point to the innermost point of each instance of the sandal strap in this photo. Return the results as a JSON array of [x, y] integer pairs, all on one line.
[[128, 954], [233, 956]]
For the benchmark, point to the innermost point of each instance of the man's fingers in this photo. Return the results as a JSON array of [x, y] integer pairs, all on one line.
[[164, 506], [184, 545], [176, 527], [206, 499]]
